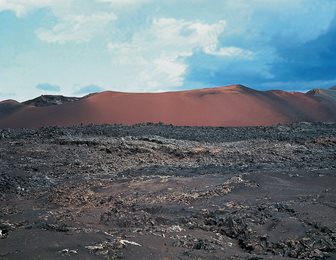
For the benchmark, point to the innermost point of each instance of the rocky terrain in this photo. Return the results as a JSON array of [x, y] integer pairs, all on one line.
[[154, 191]]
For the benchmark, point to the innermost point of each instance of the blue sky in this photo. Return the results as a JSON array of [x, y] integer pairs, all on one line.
[[73, 47]]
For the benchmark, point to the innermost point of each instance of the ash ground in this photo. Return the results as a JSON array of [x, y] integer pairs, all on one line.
[[162, 192]]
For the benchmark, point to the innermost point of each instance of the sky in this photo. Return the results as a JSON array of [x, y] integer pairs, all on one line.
[[74, 47]]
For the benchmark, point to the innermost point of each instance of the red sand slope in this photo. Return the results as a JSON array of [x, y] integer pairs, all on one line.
[[225, 106]]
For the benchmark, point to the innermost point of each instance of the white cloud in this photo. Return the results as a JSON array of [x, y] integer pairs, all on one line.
[[76, 28], [230, 52], [159, 53], [181, 38], [22, 7], [77, 21], [124, 3]]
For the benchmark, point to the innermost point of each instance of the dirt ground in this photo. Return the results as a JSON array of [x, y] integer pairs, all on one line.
[[152, 191]]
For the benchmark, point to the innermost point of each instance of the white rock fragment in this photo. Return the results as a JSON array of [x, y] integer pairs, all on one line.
[[96, 247], [175, 228], [125, 242]]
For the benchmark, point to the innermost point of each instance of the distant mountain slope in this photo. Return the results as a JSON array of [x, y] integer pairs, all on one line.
[[9, 106], [234, 105]]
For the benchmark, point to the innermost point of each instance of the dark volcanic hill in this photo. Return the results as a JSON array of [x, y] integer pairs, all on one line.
[[49, 100], [234, 105]]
